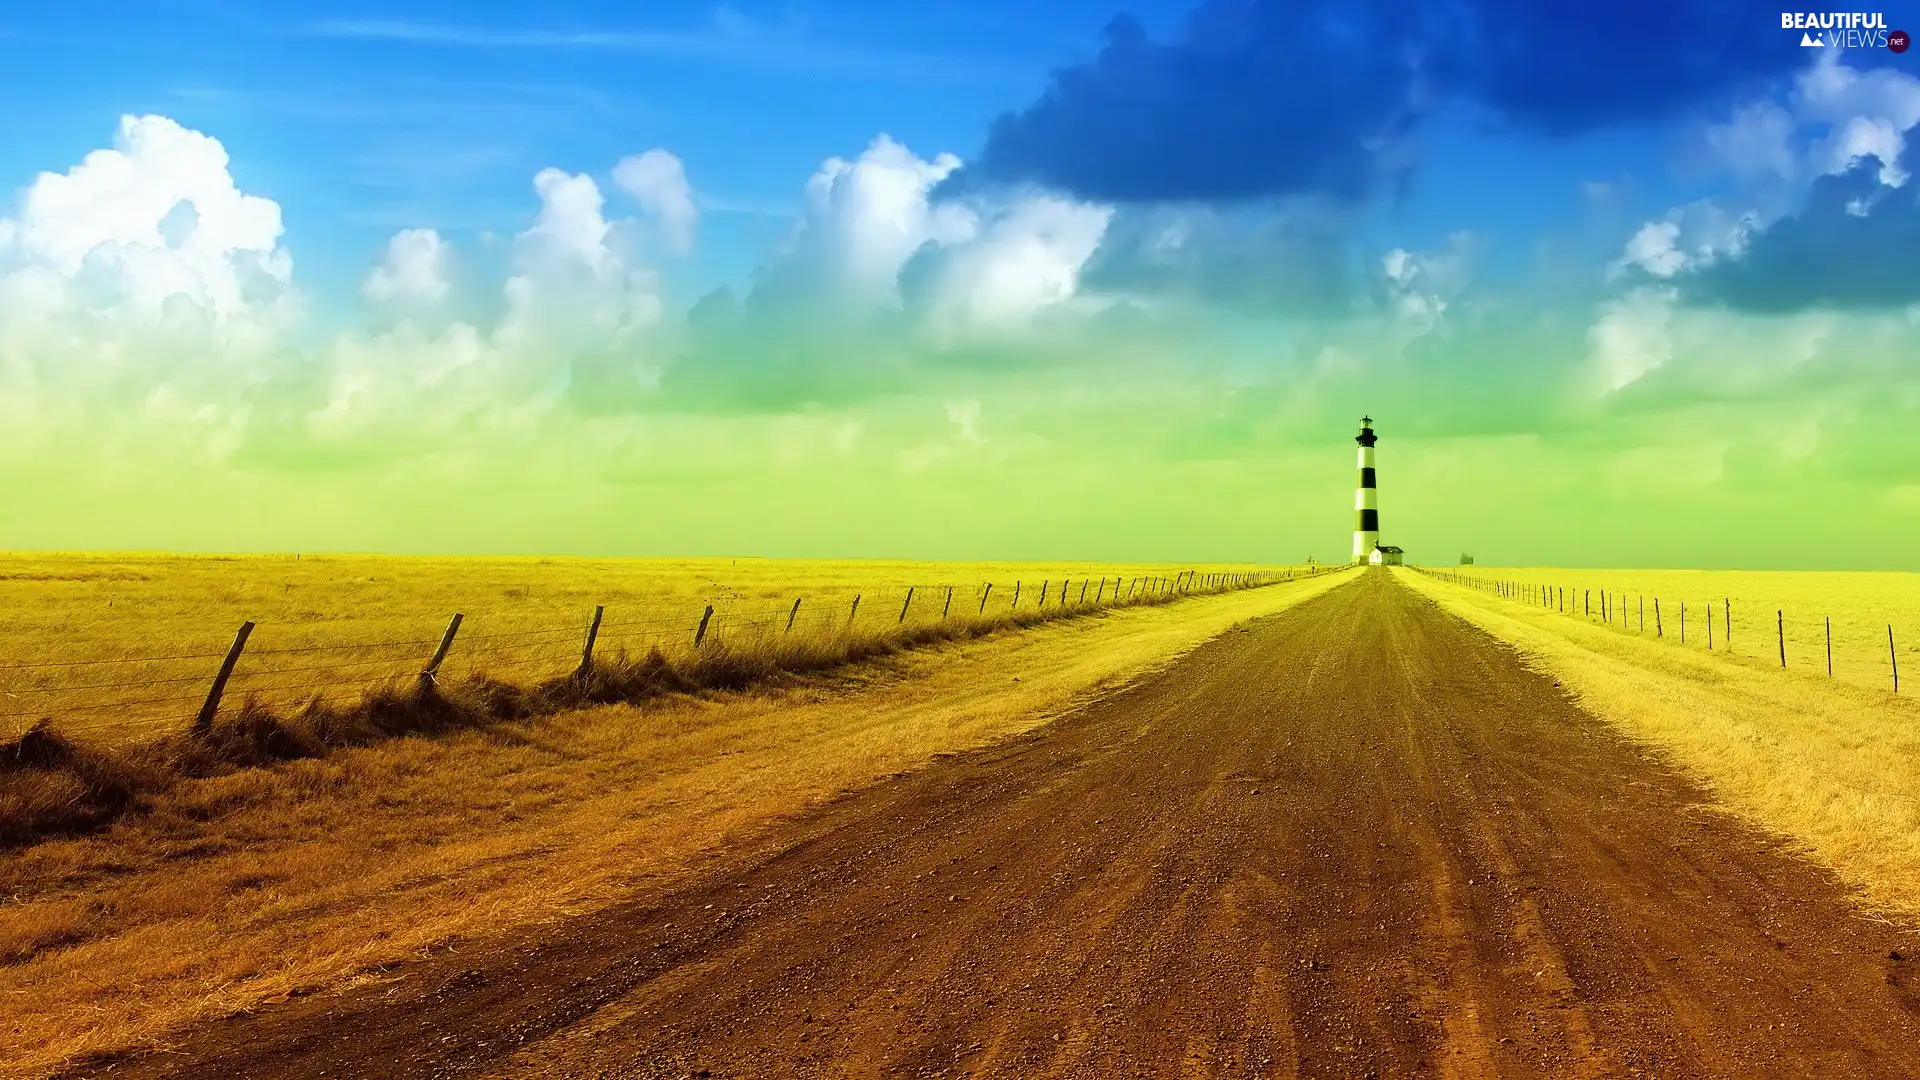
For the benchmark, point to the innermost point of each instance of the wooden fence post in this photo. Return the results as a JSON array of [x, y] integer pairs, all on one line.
[[1658, 630], [909, 603], [1780, 625], [1102, 591], [1083, 589], [1894, 657], [792, 614], [700, 635], [593, 634], [1829, 646], [432, 670], [1063, 591], [1683, 622], [1016, 596], [1709, 626], [949, 605], [988, 591], [204, 722], [855, 610], [1726, 622], [1043, 591]]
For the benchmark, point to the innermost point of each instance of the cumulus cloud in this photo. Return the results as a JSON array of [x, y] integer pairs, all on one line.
[[136, 231], [657, 180], [577, 325], [874, 240], [573, 275], [414, 269], [881, 280], [141, 279], [1012, 262], [143, 284], [863, 219]]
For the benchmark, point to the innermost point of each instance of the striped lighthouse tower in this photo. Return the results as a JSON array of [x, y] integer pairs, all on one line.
[[1366, 500]]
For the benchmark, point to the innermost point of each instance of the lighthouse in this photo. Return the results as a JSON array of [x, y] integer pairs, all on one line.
[[1366, 499]]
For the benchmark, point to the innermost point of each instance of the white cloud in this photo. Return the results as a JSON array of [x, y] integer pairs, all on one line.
[[1017, 260], [1860, 138], [1691, 237], [1423, 284], [863, 220], [873, 239], [155, 222], [1652, 249], [415, 269], [142, 284], [576, 302], [1833, 118], [142, 281], [1631, 338], [573, 280], [657, 180]]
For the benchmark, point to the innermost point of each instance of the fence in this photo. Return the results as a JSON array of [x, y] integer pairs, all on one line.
[[126, 698], [1855, 650]]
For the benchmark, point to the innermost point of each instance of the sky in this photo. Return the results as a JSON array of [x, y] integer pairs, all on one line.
[[1633, 284]]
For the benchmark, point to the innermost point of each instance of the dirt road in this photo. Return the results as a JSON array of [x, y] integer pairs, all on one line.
[[1354, 839]]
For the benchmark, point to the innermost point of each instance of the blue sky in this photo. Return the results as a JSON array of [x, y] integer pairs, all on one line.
[[366, 119], [315, 253]]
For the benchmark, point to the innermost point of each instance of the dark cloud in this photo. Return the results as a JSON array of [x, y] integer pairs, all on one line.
[[1265, 97], [1572, 67], [1856, 244], [1248, 103]]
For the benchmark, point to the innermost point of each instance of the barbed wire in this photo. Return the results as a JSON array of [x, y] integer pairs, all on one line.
[[111, 660]]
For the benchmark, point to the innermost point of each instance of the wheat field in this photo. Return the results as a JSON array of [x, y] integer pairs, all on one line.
[[118, 647]]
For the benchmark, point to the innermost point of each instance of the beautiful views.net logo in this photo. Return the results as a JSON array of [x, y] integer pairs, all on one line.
[[1844, 30]]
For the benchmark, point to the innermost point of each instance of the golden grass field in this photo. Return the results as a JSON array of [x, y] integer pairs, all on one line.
[[1857, 606], [330, 626], [255, 884], [1831, 765]]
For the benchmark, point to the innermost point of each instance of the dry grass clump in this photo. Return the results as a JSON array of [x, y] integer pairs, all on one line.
[[53, 785], [50, 785]]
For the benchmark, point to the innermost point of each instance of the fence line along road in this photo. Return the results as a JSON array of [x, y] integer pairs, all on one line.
[[1857, 651], [126, 698]]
